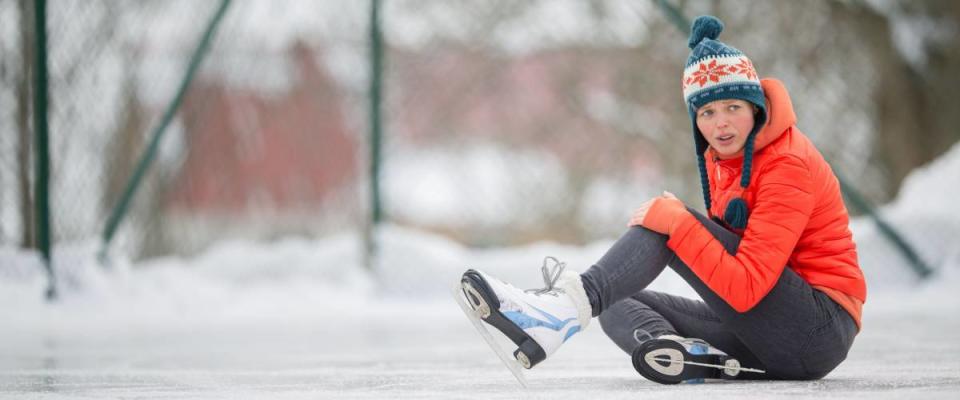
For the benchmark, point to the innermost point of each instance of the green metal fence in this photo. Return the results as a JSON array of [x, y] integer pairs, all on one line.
[[491, 122], [122, 206]]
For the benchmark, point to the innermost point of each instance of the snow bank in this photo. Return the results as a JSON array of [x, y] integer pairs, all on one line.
[[925, 214], [305, 279]]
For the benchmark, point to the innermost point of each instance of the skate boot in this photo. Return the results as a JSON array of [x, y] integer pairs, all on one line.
[[538, 321], [671, 359]]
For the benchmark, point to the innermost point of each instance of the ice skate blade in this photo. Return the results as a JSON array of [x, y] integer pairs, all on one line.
[[668, 362], [512, 364]]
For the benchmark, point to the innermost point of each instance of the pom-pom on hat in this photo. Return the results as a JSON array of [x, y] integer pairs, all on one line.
[[716, 71]]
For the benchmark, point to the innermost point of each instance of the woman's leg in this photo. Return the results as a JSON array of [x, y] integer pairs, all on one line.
[[629, 266], [795, 331]]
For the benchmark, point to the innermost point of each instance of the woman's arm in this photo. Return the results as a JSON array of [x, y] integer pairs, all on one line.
[[783, 206]]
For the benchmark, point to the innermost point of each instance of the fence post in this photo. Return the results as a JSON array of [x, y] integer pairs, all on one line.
[[42, 145], [376, 135]]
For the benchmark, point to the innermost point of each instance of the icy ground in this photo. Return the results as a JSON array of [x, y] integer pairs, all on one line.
[[394, 349], [300, 318]]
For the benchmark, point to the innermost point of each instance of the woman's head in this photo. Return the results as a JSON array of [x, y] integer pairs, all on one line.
[[716, 71], [726, 104], [725, 124]]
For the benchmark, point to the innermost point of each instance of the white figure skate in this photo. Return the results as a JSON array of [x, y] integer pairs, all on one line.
[[536, 321]]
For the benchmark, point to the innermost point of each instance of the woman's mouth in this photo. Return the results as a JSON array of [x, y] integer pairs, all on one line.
[[725, 139]]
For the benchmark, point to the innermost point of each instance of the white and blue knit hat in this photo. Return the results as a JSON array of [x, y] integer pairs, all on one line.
[[716, 71]]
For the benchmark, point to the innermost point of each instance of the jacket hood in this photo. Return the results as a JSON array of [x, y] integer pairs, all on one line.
[[780, 115]]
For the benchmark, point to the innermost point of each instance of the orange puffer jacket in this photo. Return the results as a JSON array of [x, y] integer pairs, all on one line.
[[797, 219]]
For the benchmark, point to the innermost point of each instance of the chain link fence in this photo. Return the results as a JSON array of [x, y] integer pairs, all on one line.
[[506, 121], [265, 143]]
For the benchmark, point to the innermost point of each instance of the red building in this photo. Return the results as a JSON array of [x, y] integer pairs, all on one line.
[[249, 150]]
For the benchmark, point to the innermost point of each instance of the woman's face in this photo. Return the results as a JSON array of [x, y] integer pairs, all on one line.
[[725, 124]]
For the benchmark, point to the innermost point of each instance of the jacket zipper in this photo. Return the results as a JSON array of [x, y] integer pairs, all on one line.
[[716, 163]]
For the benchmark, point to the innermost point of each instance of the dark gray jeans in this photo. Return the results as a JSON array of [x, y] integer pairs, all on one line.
[[795, 332]]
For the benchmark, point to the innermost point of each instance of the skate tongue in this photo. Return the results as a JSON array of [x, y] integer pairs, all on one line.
[[674, 338], [683, 340], [571, 283]]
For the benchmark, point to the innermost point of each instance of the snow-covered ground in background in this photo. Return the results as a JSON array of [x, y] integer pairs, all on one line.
[[301, 318]]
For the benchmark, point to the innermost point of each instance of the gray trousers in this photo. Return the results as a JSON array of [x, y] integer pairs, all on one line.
[[795, 332]]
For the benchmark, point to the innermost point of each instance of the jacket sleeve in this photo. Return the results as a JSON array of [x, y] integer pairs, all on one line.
[[784, 203]]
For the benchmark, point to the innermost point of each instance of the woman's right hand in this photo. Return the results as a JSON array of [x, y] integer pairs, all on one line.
[[640, 213]]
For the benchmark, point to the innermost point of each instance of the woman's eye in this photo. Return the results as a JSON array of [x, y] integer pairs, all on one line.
[[706, 113], [734, 107]]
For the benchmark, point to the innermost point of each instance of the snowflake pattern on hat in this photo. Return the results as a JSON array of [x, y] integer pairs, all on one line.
[[713, 71]]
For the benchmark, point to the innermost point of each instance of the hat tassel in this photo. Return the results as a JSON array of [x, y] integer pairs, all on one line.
[[736, 214]]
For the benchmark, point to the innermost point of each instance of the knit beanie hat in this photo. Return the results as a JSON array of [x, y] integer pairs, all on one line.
[[717, 71]]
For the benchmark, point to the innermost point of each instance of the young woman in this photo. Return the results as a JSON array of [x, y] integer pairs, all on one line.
[[773, 260]]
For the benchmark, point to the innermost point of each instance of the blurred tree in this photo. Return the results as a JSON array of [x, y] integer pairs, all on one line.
[[606, 104], [914, 98]]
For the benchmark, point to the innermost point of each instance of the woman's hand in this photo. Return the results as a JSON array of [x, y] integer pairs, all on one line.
[[640, 213]]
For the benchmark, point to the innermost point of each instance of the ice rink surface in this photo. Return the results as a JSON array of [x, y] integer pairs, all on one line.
[[431, 352]]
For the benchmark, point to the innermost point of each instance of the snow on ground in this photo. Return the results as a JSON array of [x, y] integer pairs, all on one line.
[[300, 318]]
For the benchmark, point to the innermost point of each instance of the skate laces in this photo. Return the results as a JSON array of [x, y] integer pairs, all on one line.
[[641, 335], [694, 345], [694, 342], [551, 274]]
